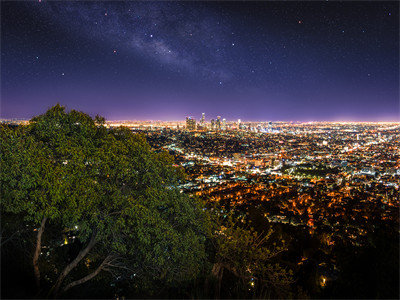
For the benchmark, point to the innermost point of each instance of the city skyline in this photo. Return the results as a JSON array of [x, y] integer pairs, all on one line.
[[209, 118], [273, 61]]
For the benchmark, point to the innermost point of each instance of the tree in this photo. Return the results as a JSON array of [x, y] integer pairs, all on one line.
[[251, 258], [109, 192]]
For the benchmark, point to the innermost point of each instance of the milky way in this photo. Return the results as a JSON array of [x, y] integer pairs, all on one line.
[[166, 60]]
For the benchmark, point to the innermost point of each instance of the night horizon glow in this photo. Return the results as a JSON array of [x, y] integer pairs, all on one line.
[[294, 61]]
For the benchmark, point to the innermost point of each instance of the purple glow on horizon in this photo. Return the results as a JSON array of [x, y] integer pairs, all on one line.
[[167, 60]]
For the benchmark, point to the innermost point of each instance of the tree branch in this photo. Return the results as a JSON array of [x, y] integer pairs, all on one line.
[[35, 260], [3, 241], [55, 289], [89, 276]]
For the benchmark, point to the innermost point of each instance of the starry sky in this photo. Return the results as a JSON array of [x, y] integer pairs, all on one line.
[[297, 61]]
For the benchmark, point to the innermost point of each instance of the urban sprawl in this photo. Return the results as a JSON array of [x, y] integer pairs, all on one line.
[[334, 179]]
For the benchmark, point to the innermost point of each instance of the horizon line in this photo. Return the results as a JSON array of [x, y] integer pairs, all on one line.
[[242, 121]]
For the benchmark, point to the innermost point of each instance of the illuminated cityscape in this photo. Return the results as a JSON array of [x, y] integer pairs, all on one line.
[[340, 176], [199, 150]]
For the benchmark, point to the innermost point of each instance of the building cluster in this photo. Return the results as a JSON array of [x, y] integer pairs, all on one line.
[[219, 124]]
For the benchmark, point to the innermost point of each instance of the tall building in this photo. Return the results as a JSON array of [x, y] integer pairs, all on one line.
[[212, 124], [224, 124], [203, 119], [239, 123], [190, 124], [270, 126], [218, 123]]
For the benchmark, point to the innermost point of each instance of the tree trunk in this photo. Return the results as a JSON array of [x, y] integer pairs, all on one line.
[[87, 277], [217, 271], [55, 289], [37, 252]]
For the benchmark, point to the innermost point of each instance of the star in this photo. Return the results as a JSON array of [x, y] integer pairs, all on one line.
[[206, 60]]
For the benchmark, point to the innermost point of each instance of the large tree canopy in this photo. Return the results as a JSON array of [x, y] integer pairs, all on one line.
[[106, 188]]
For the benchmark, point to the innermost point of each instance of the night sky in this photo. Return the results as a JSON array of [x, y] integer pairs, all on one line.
[[274, 61]]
